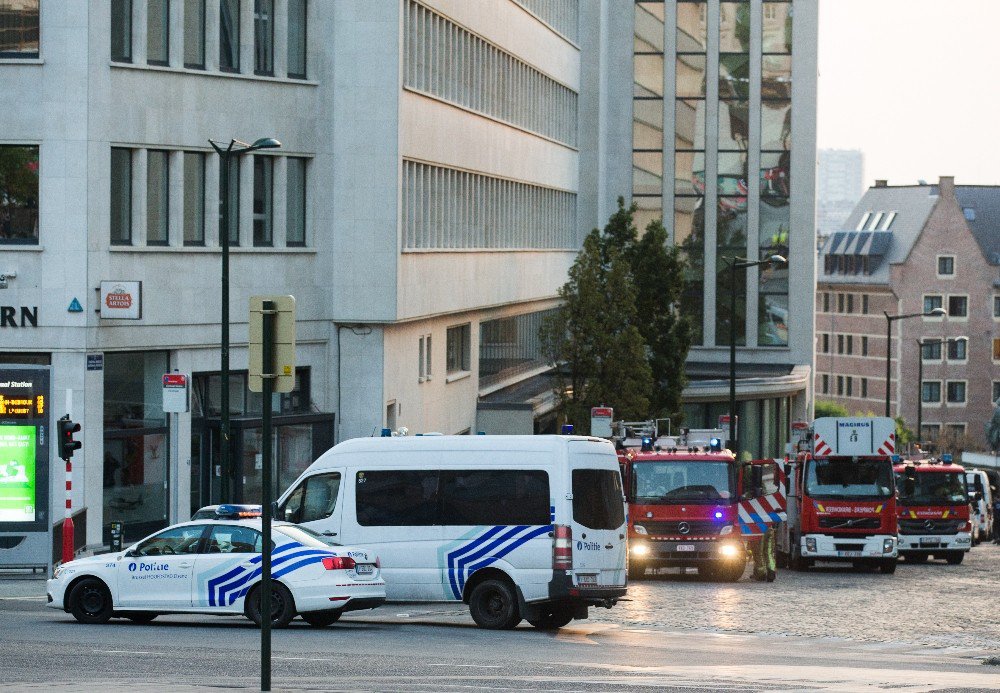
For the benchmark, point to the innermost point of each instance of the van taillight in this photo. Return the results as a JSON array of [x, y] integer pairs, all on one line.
[[562, 548], [338, 563]]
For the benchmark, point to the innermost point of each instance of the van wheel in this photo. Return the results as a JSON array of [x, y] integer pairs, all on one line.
[[493, 605], [90, 602], [887, 566], [553, 618], [282, 605], [954, 557], [140, 616], [321, 619]]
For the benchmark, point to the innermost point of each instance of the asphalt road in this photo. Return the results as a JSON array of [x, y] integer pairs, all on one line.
[[928, 627]]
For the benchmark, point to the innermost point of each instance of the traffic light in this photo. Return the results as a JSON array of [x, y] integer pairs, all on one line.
[[66, 443]]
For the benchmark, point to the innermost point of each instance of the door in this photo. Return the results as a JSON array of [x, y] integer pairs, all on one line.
[[157, 573], [598, 519], [229, 562]]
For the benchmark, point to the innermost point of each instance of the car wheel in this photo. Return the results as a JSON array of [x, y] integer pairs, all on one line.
[[493, 605], [90, 601], [282, 605], [954, 557], [887, 566], [321, 619], [553, 618], [140, 616]]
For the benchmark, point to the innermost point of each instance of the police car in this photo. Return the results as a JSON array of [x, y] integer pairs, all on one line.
[[213, 567]]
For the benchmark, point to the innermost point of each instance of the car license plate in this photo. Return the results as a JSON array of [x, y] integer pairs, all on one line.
[[364, 569], [851, 554], [929, 542], [586, 580], [685, 547]]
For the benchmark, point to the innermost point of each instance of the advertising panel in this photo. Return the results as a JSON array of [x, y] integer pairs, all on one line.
[[24, 449], [17, 473]]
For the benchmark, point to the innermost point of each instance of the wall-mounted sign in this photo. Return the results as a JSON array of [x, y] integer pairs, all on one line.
[[175, 393], [18, 316], [95, 362], [121, 300]]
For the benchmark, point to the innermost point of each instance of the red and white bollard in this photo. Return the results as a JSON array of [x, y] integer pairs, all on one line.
[[67, 530]]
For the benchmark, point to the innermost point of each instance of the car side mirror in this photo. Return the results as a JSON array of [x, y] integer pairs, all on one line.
[[131, 553]]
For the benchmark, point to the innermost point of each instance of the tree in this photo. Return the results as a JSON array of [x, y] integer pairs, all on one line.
[[826, 408], [593, 338]]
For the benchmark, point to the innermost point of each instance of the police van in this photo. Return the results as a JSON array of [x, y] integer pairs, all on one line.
[[517, 527]]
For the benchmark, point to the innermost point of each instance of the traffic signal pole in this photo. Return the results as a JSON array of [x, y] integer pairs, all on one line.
[[67, 445]]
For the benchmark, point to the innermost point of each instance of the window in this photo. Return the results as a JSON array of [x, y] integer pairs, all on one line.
[[173, 541], [194, 34], [826, 302], [875, 220], [956, 429], [297, 39], [157, 197], [863, 222], [295, 218], [263, 179], [996, 306], [826, 343], [850, 303], [840, 303], [840, 385], [946, 265], [229, 35], [864, 387], [864, 345], [158, 32], [233, 198], [889, 218], [840, 344], [930, 431], [957, 349], [427, 363], [958, 306], [932, 302], [930, 351], [121, 196], [494, 497], [234, 539], [194, 198], [850, 386], [930, 391], [996, 390], [18, 194], [314, 499], [996, 349], [424, 358], [864, 304], [458, 348], [509, 346], [397, 498], [597, 498], [850, 344], [19, 29], [121, 30], [826, 384], [956, 392], [263, 34]]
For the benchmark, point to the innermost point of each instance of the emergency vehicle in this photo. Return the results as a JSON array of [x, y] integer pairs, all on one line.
[[841, 496], [691, 504], [934, 513], [213, 567]]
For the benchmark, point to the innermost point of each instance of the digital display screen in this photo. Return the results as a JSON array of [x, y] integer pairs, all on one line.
[[17, 473]]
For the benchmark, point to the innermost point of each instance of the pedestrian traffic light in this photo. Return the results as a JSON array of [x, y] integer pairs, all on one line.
[[66, 443]]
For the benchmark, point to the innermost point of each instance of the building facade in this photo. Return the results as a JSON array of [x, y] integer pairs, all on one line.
[[734, 85], [440, 162], [906, 250], [839, 186]]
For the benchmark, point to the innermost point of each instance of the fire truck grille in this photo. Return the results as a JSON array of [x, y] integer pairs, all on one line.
[[849, 523], [696, 528], [929, 526]]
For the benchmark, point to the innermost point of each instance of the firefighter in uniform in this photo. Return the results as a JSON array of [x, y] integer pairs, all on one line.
[[764, 561]]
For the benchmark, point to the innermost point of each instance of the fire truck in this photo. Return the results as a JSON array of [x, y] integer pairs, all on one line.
[[691, 503], [841, 501], [934, 513]]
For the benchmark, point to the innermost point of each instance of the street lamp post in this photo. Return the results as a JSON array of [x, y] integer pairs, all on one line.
[[739, 263], [226, 152], [920, 376], [889, 319]]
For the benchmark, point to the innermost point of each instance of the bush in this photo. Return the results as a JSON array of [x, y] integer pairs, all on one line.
[[824, 408]]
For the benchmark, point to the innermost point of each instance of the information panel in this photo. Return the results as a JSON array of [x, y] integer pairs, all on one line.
[[24, 443]]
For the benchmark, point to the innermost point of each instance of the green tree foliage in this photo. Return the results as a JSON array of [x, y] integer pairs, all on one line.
[[825, 408]]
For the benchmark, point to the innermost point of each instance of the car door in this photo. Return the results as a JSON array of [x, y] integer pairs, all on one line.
[[228, 563], [157, 573], [598, 518]]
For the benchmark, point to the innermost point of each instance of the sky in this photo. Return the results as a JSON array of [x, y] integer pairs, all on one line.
[[915, 85]]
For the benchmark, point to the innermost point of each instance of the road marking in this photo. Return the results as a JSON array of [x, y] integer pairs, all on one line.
[[136, 652], [470, 666], [22, 599]]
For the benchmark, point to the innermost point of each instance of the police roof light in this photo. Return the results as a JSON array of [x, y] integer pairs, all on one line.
[[647, 444], [715, 444], [946, 458], [567, 429]]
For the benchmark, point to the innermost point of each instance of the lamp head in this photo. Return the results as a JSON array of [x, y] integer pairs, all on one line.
[[777, 260], [937, 313], [266, 143]]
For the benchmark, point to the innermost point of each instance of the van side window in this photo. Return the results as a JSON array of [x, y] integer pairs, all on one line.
[[494, 497], [597, 498], [397, 498], [314, 499]]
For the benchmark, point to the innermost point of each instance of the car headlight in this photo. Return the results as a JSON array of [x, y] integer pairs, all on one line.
[[726, 529], [640, 549], [811, 544], [888, 545], [639, 529], [729, 550]]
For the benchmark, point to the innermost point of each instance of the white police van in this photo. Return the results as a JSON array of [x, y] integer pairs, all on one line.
[[517, 527], [214, 567]]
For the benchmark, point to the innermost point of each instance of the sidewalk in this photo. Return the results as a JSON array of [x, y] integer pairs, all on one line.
[[21, 584]]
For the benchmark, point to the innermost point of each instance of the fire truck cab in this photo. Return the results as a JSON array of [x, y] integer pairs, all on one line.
[[934, 513]]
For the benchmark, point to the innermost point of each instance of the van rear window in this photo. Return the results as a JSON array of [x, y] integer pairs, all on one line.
[[452, 497], [597, 498]]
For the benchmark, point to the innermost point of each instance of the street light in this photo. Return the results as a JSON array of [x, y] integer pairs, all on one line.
[[889, 319], [920, 376], [234, 148], [739, 263]]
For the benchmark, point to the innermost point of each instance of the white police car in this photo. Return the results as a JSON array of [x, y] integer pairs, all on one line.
[[214, 567]]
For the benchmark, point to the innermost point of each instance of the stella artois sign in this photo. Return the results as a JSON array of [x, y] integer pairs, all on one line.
[[121, 300]]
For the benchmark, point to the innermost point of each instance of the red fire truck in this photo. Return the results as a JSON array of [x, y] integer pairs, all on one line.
[[841, 496], [691, 504], [934, 518]]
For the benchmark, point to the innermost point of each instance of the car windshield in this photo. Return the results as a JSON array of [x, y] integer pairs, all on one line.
[[688, 481], [847, 478], [306, 536], [936, 488]]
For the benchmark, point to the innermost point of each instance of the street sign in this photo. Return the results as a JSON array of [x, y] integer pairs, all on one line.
[[600, 421], [283, 337], [175, 393]]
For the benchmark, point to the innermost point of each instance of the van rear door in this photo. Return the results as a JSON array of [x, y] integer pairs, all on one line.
[[598, 516]]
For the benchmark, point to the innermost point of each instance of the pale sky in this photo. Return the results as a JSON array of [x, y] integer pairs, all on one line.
[[915, 85]]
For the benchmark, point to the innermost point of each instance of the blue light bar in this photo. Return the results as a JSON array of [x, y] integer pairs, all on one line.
[[567, 429]]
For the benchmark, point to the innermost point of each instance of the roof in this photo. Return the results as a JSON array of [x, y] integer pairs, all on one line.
[[912, 205], [984, 203]]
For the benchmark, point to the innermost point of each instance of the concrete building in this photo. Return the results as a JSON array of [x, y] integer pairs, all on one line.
[[913, 249], [734, 84], [839, 186]]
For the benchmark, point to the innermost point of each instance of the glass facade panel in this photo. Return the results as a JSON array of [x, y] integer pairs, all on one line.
[[647, 127], [19, 29], [194, 34], [730, 242], [689, 236], [510, 346], [689, 130], [194, 198], [734, 124], [157, 196], [648, 209], [777, 27], [734, 27], [689, 173], [776, 77], [648, 74], [19, 194], [734, 76], [692, 26], [690, 70], [647, 173], [776, 125]]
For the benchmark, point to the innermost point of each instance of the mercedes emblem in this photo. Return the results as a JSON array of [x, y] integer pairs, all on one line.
[[684, 528]]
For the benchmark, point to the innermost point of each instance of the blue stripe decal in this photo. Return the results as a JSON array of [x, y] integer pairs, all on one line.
[[235, 585], [453, 556], [520, 540], [487, 548], [235, 582]]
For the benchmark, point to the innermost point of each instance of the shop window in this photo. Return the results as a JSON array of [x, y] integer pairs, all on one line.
[[18, 194], [207, 395], [19, 29]]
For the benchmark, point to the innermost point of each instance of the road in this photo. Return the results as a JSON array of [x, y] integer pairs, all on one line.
[[928, 627]]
